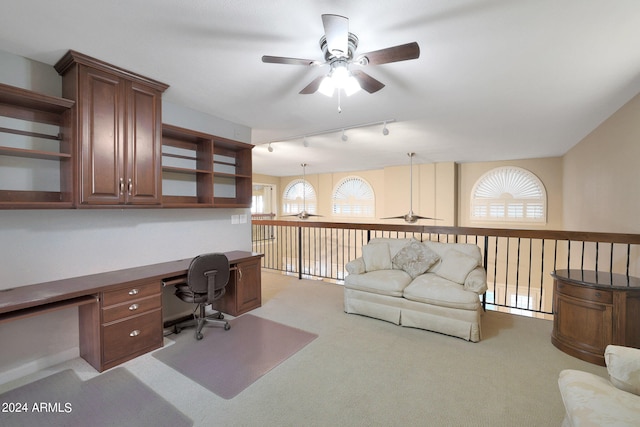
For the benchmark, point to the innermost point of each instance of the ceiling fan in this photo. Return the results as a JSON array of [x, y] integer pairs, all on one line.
[[339, 46], [410, 217], [303, 214]]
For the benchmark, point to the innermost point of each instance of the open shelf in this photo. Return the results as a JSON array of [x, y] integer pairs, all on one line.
[[39, 161], [202, 170]]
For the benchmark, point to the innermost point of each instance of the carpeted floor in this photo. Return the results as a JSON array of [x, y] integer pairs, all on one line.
[[227, 362], [115, 399], [366, 372]]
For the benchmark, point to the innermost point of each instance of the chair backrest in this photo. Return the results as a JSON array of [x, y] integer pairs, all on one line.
[[197, 278]]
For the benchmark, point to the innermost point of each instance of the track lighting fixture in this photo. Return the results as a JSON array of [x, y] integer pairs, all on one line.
[[344, 137]]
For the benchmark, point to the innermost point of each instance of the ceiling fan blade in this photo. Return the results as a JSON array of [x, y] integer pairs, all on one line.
[[367, 82], [313, 86], [401, 52], [289, 61], [394, 217], [336, 31]]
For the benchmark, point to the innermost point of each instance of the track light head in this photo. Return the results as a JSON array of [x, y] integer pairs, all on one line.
[[344, 136], [305, 142], [270, 148], [385, 130]]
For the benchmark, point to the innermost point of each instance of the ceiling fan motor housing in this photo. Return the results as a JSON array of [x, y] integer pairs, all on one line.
[[331, 56]]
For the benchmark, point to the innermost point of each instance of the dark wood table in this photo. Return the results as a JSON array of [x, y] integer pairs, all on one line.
[[593, 309]]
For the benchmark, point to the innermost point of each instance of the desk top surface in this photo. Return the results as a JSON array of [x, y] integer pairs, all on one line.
[[598, 279], [58, 290]]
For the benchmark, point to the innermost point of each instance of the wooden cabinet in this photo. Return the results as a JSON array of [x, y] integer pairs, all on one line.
[[202, 170], [592, 310], [125, 324], [244, 290], [119, 123], [36, 152]]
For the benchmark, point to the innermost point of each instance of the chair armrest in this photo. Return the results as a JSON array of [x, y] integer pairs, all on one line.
[[356, 266], [623, 366], [592, 400], [476, 280]]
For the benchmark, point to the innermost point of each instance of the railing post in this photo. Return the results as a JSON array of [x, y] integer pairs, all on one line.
[[299, 252]]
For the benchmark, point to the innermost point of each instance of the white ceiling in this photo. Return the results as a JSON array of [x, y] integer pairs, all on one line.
[[496, 79]]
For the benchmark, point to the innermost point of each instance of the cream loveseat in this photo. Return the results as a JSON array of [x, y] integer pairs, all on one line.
[[427, 285], [591, 400]]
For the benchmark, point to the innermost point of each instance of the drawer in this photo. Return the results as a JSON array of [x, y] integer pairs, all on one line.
[[131, 308], [130, 293], [584, 292], [132, 335]]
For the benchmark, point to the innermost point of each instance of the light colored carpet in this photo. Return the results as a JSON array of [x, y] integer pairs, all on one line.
[[115, 398], [227, 362], [366, 372]]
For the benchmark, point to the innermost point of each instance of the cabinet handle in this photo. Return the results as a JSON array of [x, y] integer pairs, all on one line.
[[121, 186], [134, 333], [129, 187], [133, 291], [239, 274], [133, 307], [598, 294]]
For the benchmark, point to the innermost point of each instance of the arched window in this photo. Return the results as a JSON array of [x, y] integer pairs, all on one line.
[[299, 195], [509, 194], [353, 196]]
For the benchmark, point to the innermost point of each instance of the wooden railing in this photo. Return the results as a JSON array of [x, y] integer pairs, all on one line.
[[518, 262]]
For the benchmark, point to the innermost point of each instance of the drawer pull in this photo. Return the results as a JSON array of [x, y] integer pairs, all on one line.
[[134, 291], [134, 333], [598, 294], [133, 307]]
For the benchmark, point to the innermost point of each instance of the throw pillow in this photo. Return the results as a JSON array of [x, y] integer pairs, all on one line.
[[415, 258], [455, 266], [376, 257]]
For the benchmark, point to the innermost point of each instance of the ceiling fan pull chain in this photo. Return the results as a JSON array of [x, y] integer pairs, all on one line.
[[339, 107]]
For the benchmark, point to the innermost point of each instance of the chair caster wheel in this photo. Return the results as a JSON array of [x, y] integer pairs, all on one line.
[[227, 327], [199, 336], [176, 330], [220, 316]]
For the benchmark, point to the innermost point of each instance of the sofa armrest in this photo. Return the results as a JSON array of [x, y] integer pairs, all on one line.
[[623, 366], [592, 400], [356, 266], [476, 280]]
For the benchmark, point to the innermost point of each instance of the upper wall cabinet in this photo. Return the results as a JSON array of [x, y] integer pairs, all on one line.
[[36, 151], [201, 170], [118, 123]]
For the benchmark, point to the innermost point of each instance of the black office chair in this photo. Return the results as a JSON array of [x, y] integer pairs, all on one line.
[[206, 281]]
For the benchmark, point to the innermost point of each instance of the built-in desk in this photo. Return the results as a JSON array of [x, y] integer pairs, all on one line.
[[120, 312], [593, 309]]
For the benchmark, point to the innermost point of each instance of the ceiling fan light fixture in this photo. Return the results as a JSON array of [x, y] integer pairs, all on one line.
[[327, 87]]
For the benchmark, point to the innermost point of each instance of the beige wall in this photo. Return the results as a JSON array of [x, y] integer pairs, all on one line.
[[601, 176]]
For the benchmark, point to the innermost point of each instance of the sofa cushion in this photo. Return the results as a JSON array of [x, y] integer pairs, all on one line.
[[415, 258], [623, 366], [432, 289], [455, 266], [376, 257], [395, 245], [383, 282]]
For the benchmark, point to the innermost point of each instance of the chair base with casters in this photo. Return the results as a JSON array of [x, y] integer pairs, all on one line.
[[201, 320], [207, 279]]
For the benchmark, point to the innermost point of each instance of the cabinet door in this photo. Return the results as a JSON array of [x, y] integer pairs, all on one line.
[[144, 145], [248, 286], [101, 125]]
